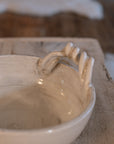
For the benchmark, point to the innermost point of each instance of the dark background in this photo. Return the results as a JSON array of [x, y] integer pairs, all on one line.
[[62, 25]]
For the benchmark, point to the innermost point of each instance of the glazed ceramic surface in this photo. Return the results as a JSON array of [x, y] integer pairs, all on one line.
[[45, 101]]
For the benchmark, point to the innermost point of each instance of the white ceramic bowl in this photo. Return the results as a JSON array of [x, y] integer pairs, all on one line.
[[21, 71]]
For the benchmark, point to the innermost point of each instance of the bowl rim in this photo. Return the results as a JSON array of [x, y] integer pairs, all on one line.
[[59, 127]]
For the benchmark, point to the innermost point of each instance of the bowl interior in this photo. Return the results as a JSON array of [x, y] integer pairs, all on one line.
[[28, 101]]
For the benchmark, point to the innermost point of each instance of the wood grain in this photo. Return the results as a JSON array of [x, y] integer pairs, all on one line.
[[100, 129]]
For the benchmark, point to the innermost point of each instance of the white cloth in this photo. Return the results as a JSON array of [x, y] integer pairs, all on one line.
[[89, 8]]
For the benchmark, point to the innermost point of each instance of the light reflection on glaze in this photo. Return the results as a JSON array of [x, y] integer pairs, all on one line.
[[50, 131], [40, 81], [62, 93], [70, 112]]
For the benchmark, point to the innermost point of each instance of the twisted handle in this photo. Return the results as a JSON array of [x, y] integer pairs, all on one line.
[[84, 62]]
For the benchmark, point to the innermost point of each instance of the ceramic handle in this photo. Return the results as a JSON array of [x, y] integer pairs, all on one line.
[[84, 62]]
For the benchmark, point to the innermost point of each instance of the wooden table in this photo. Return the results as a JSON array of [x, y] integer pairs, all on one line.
[[100, 129], [66, 24]]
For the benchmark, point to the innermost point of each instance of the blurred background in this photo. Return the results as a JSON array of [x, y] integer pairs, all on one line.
[[61, 18]]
